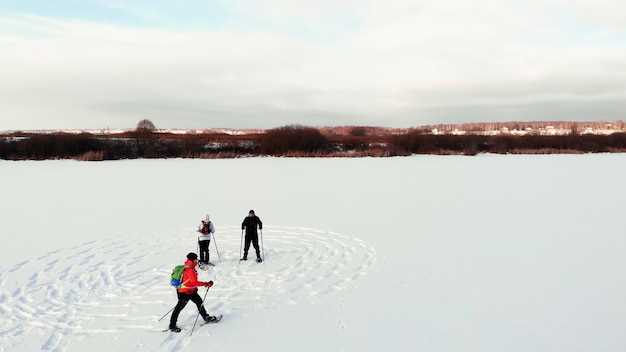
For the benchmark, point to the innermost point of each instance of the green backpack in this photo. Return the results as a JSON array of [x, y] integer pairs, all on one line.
[[176, 279]]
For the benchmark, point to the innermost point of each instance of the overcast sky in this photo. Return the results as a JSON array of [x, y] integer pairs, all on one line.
[[247, 63]]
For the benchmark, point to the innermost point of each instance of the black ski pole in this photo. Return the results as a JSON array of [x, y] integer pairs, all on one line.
[[200, 265], [194, 323], [241, 245], [166, 314], [169, 311], [216, 249], [262, 247]]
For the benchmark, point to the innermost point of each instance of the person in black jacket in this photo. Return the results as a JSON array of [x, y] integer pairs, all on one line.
[[250, 224]]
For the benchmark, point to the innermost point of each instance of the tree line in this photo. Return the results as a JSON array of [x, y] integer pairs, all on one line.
[[290, 141]]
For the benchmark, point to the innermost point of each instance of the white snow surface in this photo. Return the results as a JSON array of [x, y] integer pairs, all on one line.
[[425, 253]]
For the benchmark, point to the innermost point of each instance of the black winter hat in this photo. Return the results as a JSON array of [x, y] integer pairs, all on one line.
[[251, 211], [192, 256]]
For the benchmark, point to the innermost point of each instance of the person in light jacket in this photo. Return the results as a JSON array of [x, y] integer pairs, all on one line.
[[204, 239]]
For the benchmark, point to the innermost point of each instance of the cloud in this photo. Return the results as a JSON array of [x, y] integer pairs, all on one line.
[[397, 63]]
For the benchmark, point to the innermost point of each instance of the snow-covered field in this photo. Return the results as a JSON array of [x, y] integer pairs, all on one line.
[[488, 253]]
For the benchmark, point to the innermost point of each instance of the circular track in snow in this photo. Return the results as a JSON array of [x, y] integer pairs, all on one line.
[[121, 284]]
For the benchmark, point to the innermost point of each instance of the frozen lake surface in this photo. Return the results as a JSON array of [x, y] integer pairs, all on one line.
[[424, 253]]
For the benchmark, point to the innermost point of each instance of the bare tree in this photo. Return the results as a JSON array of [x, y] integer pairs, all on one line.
[[145, 125], [145, 138]]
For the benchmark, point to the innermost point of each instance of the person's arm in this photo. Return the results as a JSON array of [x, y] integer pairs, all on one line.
[[190, 279], [260, 223], [211, 227], [243, 224]]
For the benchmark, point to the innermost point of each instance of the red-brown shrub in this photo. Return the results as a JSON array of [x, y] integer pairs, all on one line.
[[293, 138]]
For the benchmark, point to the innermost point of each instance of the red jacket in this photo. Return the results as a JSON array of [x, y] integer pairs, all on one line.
[[190, 279]]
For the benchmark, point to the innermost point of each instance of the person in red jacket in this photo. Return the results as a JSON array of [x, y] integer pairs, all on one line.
[[189, 292]]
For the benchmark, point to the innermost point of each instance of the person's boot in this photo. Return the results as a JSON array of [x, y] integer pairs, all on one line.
[[259, 260], [209, 318], [245, 256], [175, 329]]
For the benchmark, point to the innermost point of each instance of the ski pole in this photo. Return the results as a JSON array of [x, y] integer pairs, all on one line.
[[200, 265], [241, 245], [216, 249], [262, 248], [166, 314], [202, 305]]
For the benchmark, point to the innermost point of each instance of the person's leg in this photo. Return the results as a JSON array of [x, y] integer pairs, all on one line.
[[201, 250], [182, 302], [204, 251], [195, 298], [247, 246], [208, 252], [255, 243]]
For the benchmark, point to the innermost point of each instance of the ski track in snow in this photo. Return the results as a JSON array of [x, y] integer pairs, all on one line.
[[102, 287]]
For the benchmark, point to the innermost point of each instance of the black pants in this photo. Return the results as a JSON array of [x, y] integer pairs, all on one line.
[[183, 298], [254, 238], [204, 250]]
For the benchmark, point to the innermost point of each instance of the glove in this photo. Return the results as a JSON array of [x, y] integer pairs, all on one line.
[[208, 284]]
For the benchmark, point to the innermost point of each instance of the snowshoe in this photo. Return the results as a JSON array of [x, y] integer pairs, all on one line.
[[213, 319], [205, 265], [244, 258], [210, 319], [175, 329]]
